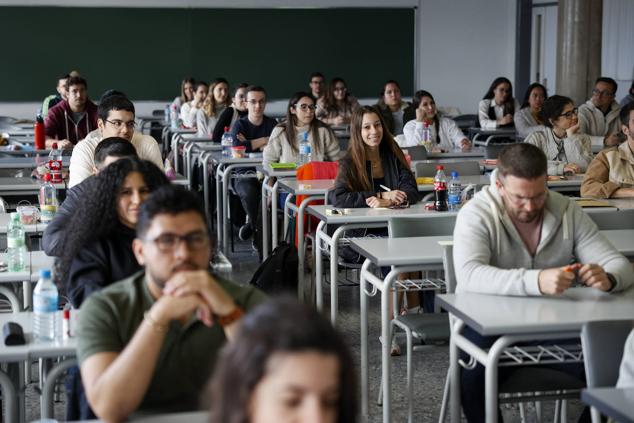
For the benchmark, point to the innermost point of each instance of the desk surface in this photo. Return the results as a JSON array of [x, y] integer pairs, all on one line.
[[401, 251], [474, 152], [369, 215], [500, 315], [23, 184], [189, 417], [613, 402], [306, 187], [219, 158]]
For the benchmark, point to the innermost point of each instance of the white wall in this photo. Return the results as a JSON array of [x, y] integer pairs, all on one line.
[[464, 45]]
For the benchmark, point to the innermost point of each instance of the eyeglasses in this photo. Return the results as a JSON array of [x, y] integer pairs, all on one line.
[[568, 115], [119, 124], [168, 242], [600, 93], [518, 199], [257, 102], [305, 107]]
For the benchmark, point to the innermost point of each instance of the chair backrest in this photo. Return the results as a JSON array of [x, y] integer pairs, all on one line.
[[465, 122], [344, 142], [466, 168], [623, 219], [403, 227], [418, 152], [492, 150], [603, 344], [448, 267]]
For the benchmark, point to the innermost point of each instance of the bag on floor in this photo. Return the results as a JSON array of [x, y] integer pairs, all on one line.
[[278, 273]]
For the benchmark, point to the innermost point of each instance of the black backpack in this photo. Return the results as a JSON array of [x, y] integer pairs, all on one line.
[[278, 273]]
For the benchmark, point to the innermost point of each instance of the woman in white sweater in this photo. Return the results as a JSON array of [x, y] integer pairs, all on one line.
[[528, 119], [215, 103], [497, 107], [444, 133], [283, 145], [567, 151]]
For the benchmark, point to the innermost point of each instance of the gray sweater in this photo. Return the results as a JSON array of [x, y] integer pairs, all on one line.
[[491, 258]]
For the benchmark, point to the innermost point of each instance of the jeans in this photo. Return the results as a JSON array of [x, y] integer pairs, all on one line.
[[250, 191]]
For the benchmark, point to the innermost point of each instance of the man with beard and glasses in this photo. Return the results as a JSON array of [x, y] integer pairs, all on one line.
[[149, 342], [517, 238]]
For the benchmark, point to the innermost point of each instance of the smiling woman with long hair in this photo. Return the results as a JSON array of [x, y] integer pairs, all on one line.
[[98, 243]]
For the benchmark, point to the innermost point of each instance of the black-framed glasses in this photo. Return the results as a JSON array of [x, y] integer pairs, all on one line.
[[120, 124], [570, 114], [168, 242], [305, 107], [604, 93], [256, 102]]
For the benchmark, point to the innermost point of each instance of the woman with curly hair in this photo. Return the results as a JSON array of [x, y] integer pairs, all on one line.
[[286, 364], [98, 243], [336, 107], [215, 103]]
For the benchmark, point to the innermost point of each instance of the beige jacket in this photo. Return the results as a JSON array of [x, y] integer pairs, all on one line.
[[278, 150], [611, 169]]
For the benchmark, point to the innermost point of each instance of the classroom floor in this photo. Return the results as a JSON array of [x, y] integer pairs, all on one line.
[[430, 364]]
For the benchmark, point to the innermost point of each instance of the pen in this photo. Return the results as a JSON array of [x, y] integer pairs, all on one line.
[[384, 188]]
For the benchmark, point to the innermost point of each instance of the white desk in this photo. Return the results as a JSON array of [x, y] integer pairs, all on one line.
[[312, 190], [271, 191], [23, 186], [32, 350], [34, 262], [612, 402], [189, 417], [521, 319], [475, 152]]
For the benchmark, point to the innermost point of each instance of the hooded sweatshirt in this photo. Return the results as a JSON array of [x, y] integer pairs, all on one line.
[[61, 125], [594, 123], [491, 258]]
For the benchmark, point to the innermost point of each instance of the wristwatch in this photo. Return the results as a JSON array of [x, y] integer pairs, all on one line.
[[228, 319]]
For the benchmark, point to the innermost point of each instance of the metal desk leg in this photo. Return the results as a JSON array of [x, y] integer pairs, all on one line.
[[175, 139], [27, 290], [265, 218], [385, 346], [300, 244], [46, 401], [364, 339], [319, 295], [289, 197], [219, 203], [204, 158], [274, 191], [10, 397], [454, 371]]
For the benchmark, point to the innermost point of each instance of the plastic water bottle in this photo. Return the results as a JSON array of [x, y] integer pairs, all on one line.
[[440, 189], [16, 244], [426, 139], [226, 142], [55, 164], [454, 192], [48, 200], [45, 303], [174, 117], [305, 154]]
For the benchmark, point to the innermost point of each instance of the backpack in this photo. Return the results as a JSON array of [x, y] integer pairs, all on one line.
[[278, 273]]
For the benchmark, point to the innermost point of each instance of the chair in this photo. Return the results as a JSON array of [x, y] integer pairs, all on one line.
[[531, 382], [492, 150], [466, 168], [464, 122], [418, 152], [603, 344]]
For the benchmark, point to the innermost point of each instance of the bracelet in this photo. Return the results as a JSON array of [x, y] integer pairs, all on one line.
[[228, 319], [156, 325]]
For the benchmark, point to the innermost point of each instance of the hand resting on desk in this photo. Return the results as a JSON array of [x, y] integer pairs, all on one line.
[[557, 280]]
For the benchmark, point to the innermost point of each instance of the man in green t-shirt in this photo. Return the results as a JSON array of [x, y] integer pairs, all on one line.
[[148, 343]]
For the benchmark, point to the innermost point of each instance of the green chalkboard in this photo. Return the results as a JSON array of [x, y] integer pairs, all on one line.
[[145, 52]]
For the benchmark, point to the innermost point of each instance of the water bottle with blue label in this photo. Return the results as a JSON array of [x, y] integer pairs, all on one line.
[[305, 154], [455, 192], [226, 142], [45, 304]]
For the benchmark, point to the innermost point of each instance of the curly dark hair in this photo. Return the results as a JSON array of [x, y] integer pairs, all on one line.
[[96, 215], [280, 325]]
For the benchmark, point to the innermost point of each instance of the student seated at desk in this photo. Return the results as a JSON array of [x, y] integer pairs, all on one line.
[[394, 110], [251, 132], [283, 145], [187, 94], [215, 103], [148, 343], [73, 118], [516, 237], [626, 371], [567, 151], [189, 110], [230, 115], [281, 369], [52, 100], [107, 151], [599, 116], [528, 118], [611, 173], [445, 134], [98, 241], [373, 161], [116, 119], [497, 107], [336, 107], [316, 84]]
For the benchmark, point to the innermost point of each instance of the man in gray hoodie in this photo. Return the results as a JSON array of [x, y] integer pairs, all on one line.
[[518, 238]]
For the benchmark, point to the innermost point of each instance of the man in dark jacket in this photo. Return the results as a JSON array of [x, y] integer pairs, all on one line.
[[70, 120], [106, 152]]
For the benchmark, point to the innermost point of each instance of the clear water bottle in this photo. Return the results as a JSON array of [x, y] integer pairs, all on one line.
[[226, 142], [48, 200], [440, 189], [174, 117], [426, 138], [454, 192], [305, 154], [45, 303], [55, 164], [16, 244]]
